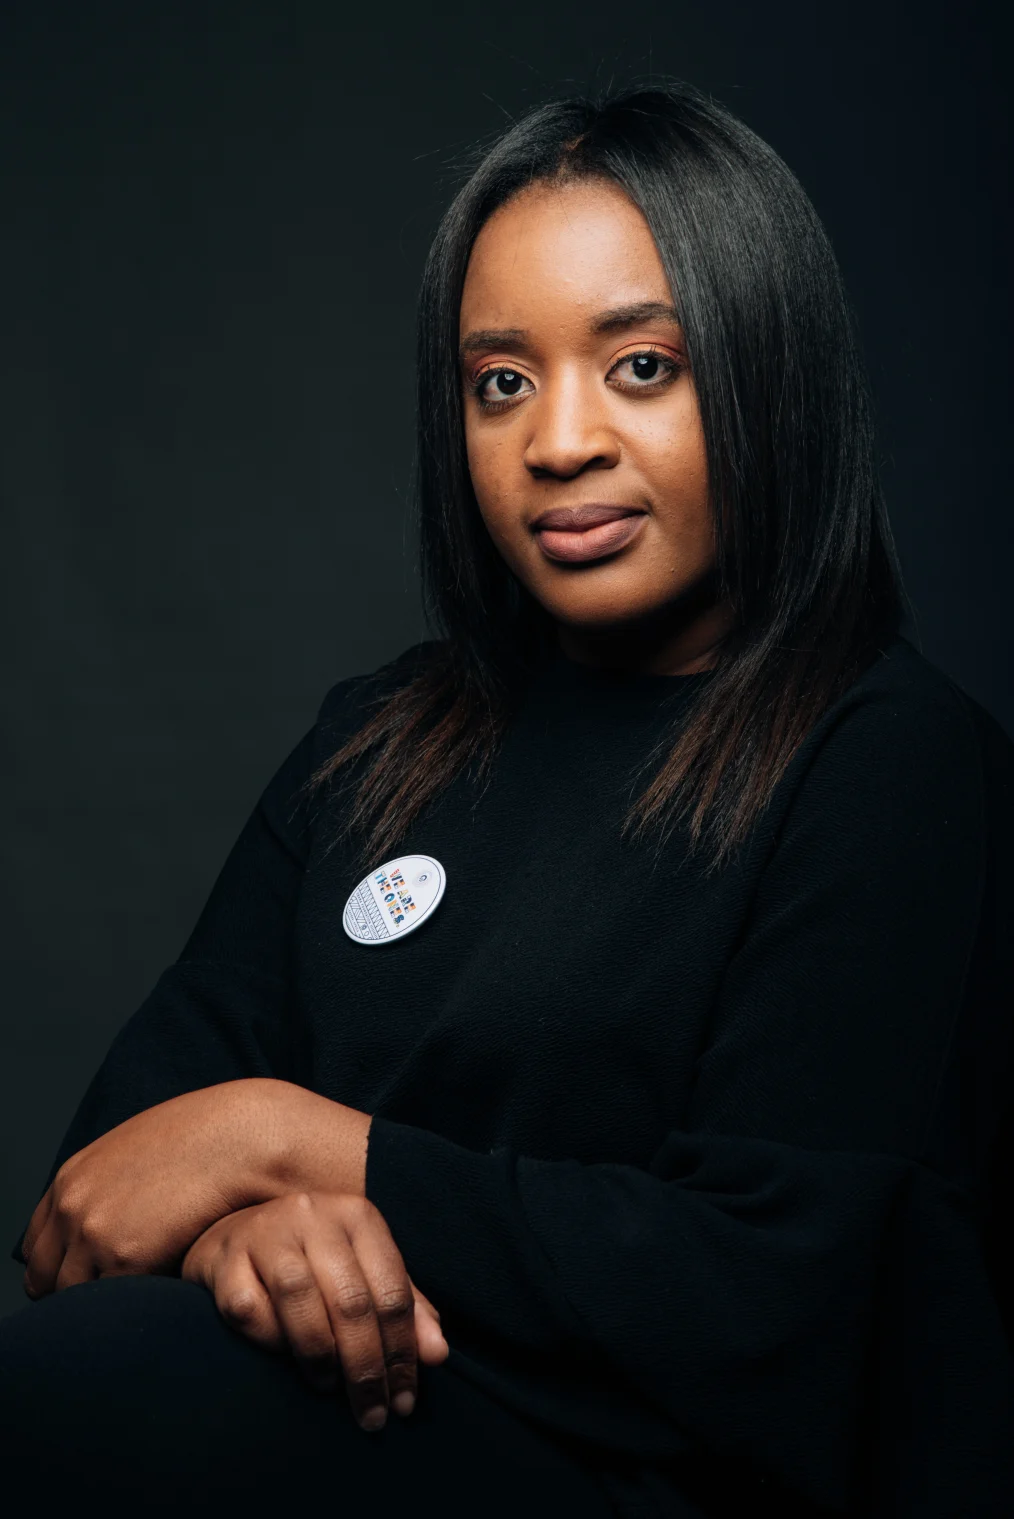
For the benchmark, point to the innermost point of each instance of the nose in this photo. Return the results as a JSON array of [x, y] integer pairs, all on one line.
[[571, 431]]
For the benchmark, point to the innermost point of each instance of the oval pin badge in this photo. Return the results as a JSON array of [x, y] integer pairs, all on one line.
[[393, 899]]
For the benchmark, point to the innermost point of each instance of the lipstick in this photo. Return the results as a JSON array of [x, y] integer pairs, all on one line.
[[582, 534]]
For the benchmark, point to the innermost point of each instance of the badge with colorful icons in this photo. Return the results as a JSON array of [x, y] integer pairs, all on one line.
[[393, 899]]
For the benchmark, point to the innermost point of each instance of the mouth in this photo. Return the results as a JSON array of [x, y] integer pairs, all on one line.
[[579, 534]]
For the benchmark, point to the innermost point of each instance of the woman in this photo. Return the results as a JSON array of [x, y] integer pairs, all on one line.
[[600, 1031]]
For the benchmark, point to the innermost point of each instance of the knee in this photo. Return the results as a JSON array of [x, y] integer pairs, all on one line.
[[120, 1379], [104, 1349], [107, 1323]]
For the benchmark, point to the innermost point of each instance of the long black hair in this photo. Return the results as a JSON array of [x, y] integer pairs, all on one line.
[[804, 552]]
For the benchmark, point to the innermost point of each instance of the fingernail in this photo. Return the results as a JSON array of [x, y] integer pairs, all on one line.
[[403, 1402], [374, 1418]]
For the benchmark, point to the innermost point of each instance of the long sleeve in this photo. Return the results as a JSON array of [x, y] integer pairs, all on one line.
[[809, 1236], [225, 1010], [221, 1012]]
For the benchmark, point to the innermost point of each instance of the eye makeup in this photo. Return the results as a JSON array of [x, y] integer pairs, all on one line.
[[648, 380]]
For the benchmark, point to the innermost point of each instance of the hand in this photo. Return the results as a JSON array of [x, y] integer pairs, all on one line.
[[319, 1274], [134, 1201]]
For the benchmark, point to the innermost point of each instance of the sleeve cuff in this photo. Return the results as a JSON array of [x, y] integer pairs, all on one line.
[[456, 1216]]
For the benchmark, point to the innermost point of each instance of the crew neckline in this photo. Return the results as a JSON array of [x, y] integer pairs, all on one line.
[[620, 685]]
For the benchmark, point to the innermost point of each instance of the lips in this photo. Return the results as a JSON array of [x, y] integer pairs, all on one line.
[[578, 534]]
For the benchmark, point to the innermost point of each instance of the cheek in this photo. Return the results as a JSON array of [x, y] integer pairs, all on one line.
[[489, 465], [669, 452]]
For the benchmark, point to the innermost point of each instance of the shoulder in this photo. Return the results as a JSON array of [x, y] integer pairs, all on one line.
[[362, 691], [352, 702], [288, 800], [904, 767], [905, 726]]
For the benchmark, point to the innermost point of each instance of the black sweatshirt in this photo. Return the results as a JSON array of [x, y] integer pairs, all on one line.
[[707, 1174]]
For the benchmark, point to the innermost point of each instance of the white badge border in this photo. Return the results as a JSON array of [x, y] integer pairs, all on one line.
[[367, 882]]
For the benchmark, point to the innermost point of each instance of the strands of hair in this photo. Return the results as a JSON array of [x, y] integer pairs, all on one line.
[[804, 550]]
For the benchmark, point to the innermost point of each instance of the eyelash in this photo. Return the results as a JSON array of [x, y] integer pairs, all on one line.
[[673, 367]]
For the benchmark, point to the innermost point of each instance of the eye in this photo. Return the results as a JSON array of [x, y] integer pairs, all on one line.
[[647, 370], [495, 387]]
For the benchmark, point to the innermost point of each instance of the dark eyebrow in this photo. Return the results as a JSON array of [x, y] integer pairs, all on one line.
[[607, 321], [492, 337], [632, 316]]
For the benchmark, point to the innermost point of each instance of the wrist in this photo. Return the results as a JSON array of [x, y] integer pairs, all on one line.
[[307, 1142], [244, 1139]]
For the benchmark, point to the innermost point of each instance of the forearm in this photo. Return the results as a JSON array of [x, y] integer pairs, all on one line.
[[138, 1197], [303, 1142]]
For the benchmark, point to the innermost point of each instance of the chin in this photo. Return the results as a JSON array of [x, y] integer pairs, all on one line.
[[604, 613]]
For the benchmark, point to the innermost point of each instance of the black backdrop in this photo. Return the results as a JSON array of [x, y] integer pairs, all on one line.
[[214, 220]]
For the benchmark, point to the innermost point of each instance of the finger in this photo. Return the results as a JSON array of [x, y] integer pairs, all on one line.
[[77, 1266], [382, 1265], [37, 1223], [298, 1302], [245, 1303], [427, 1313], [46, 1259], [355, 1327], [421, 1297], [432, 1346]]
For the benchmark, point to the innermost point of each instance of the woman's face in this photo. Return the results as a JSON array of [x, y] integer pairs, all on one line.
[[584, 438]]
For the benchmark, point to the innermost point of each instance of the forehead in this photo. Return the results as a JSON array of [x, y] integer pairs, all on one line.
[[558, 250]]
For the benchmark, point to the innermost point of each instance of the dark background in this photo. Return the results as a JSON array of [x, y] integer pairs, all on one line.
[[214, 221]]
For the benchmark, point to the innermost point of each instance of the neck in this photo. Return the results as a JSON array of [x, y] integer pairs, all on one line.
[[656, 646]]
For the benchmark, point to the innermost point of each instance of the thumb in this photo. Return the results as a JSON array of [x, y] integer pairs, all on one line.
[[430, 1342]]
